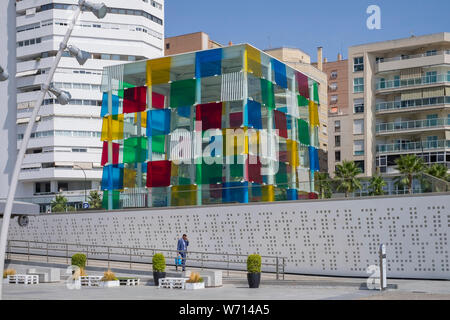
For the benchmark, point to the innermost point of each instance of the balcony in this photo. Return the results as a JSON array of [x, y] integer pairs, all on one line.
[[408, 83], [412, 146], [398, 106], [412, 125], [414, 61]]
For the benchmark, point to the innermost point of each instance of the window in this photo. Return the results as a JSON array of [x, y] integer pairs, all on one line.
[[358, 106], [431, 53], [334, 99], [167, 45], [360, 164], [358, 147], [358, 64], [337, 141], [358, 126], [334, 74], [431, 77], [337, 126], [358, 85], [333, 86], [337, 156]]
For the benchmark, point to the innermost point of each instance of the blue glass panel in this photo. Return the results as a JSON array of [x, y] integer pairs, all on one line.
[[112, 178], [208, 63], [280, 73], [254, 114], [115, 105], [158, 122], [313, 159], [184, 111], [235, 192], [292, 194]]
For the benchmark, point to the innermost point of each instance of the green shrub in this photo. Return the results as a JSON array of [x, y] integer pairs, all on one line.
[[159, 262], [79, 259], [254, 263]]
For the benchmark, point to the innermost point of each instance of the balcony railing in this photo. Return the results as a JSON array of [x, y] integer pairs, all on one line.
[[420, 55], [412, 146], [413, 124], [425, 102], [399, 83]]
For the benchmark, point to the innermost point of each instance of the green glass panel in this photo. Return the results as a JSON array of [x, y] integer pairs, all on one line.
[[124, 86], [316, 92], [267, 93], [135, 150], [159, 144], [281, 177], [116, 197], [184, 181], [302, 101], [209, 173], [182, 93], [236, 169], [303, 132]]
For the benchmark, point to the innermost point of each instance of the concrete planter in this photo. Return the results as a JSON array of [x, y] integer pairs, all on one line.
[[194, 286], [110, 284]]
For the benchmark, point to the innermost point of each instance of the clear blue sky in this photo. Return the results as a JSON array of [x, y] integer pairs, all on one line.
[[292, 23]]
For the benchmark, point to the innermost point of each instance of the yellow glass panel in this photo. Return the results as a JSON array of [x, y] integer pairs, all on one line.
[[112, 128], [254, 62], [174, 170], [313, 114], [158, 71], [143, 118], [184, 195], [292, 148], [235, 141], [129, 178], [268, 193]]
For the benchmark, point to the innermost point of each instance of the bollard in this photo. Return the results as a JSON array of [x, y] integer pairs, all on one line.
[[383, 268]]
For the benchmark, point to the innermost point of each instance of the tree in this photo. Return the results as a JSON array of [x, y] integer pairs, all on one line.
[[323, 183], [438, 170], [409, 165], [376, 184], [346, 177], [59, 204], [95, 201]]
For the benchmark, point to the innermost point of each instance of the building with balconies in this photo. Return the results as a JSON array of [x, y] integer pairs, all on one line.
[[402, 88], [64, 152]]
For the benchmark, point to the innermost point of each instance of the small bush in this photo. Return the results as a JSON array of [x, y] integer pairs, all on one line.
[[109, 276], [8, 272], [195, 278], [79, 259], [254, 263], [159, 262]]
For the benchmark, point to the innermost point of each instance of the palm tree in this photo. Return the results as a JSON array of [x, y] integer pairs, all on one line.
[[346, 177], [323, 183], [59, 204], [409, 165], [438, 170], [95, 201], [376, 184]]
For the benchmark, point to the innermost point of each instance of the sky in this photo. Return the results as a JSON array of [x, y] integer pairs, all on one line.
[[333, 24]]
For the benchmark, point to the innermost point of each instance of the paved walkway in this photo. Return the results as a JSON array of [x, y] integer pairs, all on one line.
[[295, 287]]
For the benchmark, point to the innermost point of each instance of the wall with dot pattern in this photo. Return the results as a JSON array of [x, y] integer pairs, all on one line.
[[328, 237]]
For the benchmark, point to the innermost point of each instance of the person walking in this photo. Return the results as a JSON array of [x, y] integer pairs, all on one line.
[[182, 245]]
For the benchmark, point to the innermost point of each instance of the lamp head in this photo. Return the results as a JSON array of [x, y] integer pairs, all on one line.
[[3, 74], [98, 9], [62, 96], [80, 55]]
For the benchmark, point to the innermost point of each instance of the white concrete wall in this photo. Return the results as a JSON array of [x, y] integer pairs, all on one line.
[[326, 237]]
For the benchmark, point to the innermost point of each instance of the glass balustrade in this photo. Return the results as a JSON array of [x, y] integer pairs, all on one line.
[[413, 124], [402, 83], [425, 102], [412, 146]]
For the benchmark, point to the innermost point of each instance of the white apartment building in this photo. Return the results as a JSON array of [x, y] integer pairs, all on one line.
[[399, 99], [66, 138]]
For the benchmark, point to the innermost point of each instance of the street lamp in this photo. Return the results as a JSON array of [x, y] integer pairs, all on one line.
[[99, 10], [80, 55], [62, 96], [3, 74]]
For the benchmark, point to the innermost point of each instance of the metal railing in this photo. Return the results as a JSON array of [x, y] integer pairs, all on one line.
[[412, 146], [400, 83], [413, 56], [141, 256], [412, 124], [409, 104]]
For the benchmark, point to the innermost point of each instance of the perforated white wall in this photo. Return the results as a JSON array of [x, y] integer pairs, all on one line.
[[331, 237]]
